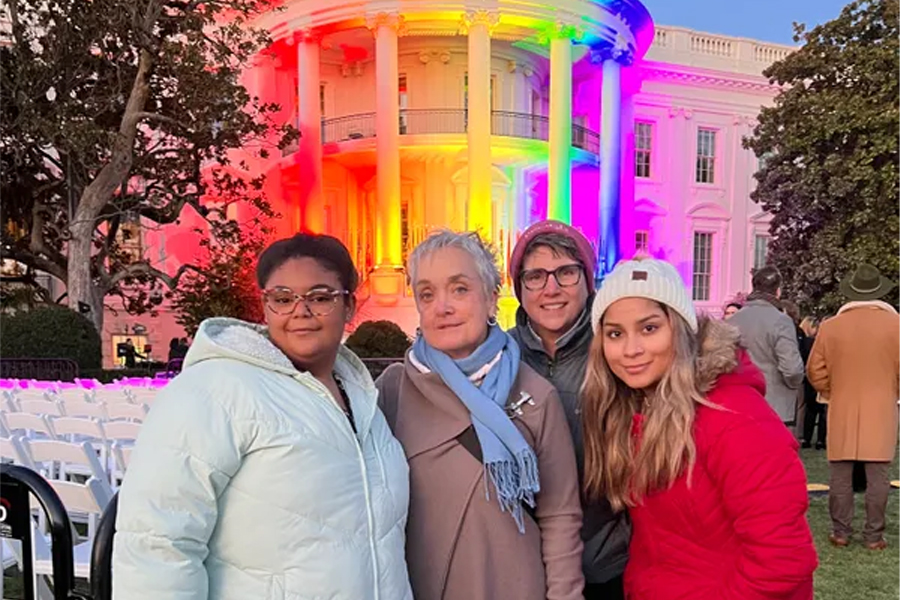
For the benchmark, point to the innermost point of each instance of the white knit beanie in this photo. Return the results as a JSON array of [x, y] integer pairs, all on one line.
[[644, 278]]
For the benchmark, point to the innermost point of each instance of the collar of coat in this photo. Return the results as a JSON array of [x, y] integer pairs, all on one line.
[[719, 345], [879, 304]]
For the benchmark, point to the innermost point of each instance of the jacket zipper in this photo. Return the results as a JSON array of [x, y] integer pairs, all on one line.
[[370, 517]]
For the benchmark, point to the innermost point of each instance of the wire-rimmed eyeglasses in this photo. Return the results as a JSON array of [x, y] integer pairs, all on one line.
[[321, 303], [565, 276]]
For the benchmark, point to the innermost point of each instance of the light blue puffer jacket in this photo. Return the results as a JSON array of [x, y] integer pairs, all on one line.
[[247, 482]]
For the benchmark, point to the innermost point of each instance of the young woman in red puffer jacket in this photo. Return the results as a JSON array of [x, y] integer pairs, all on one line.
[[678, 430]]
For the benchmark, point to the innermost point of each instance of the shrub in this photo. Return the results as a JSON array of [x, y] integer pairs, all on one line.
[[51, 331], [378, 339]]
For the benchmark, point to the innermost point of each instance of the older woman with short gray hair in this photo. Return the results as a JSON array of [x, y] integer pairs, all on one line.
[[494, 499]]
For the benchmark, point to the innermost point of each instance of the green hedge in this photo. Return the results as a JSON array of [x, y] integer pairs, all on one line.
[[51, 331], [378, 339]]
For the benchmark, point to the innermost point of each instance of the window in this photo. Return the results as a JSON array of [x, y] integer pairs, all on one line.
[[322, 99], [702, 265], [404, 228], [466, 91], [404, 103], [643, 147], [760, 251], [706, 156], [641, 241], [129, 238]]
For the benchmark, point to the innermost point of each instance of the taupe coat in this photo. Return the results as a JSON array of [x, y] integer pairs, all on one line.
[[855, 362], [459, 544]]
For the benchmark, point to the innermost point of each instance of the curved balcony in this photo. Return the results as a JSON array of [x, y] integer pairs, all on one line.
[[430, 121]]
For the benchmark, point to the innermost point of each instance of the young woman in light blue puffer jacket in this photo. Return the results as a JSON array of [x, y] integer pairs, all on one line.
[[266, 470]]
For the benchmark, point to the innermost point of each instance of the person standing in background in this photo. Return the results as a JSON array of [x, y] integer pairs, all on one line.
[[770, 337], [855, 362]]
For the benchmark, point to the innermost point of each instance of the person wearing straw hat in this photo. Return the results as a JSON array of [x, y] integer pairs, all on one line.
[[855, 362]]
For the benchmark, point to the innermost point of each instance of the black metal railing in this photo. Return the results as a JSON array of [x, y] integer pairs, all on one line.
[[349, 127], [586, 139], [44, 369], [520, 125], [427, 121]]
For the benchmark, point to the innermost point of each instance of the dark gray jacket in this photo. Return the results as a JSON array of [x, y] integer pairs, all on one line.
[[606, 534], [770, 337]]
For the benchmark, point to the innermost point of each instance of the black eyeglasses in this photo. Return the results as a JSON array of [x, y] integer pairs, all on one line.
[[321, 303], [566, 276]]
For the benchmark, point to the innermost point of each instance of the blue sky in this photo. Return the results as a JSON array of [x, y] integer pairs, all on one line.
[[765, 20]]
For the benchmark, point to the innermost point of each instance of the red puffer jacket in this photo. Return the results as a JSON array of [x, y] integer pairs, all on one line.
[[739, 532]]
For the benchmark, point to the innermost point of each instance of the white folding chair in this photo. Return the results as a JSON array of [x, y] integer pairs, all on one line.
[[75, 429], [58, 460], [11, 451], [80, 408], [41, 407], [32, 426], [122, 454], [121, 430], [75, 394], [142, 395], [130, 412], [111, 396], [85, 503]]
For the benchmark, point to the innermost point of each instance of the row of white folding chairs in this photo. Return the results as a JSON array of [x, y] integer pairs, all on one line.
[[76, 408], [85, 496], [60, 428], [110, 395], [60, 459]]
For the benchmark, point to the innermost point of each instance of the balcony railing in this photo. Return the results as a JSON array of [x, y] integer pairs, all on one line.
[[428, 121]]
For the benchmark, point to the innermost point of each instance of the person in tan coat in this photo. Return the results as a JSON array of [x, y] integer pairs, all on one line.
[[855, 363], [495, 511]]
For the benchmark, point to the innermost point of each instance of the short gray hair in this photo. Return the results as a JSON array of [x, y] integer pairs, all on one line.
[[471, 243]]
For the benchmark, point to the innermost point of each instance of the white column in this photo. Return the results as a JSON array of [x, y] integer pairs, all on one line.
[[610, 164], [479, 211], [309, 122], [388, 250], [559, 171]]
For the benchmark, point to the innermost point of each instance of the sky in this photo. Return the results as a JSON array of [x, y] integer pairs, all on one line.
[[764, 20]]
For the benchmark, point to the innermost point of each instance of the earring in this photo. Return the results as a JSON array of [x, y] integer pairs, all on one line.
[[492, 320]]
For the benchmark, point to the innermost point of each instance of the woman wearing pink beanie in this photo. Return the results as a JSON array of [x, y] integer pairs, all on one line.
[[552, 269]]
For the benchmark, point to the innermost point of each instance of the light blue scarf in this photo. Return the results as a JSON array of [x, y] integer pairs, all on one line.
[[508, 459]]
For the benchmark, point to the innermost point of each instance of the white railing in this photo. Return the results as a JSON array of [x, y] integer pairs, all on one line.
[[769, 54], [714, 46], [698, 49], [661, 38]]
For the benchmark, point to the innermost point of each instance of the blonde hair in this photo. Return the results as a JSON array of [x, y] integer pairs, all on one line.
[[613, 469]]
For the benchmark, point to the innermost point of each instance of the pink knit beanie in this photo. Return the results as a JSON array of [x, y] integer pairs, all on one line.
[[586, 253]]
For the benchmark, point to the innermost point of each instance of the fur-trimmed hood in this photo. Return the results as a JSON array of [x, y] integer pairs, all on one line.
[[721, 354]]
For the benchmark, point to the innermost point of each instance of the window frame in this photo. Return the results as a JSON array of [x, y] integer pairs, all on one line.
[[640, 151], [706, 163], [709, 274]]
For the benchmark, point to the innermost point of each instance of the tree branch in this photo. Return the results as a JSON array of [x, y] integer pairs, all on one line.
[[144, 268]]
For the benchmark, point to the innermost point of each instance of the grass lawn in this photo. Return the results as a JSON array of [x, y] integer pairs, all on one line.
[[853, 572]]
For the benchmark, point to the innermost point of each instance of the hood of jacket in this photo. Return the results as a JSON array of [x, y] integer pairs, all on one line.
[[722, 360], [234, 339]]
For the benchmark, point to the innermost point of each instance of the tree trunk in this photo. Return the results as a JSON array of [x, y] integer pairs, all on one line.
[[80, 287]]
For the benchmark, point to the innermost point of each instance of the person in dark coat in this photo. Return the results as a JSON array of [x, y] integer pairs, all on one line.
[[816, 412], [552, 269]]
